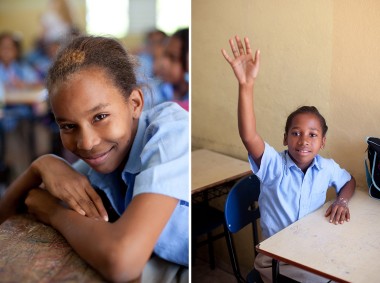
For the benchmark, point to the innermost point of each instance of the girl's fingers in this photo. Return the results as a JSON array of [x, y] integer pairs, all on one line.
[[247, 45], [240, 45], [97, 201], [229, 60], [348, 216], [233, 48], [75, 206]]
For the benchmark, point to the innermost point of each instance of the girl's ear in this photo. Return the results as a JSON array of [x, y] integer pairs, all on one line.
[[136, 102], [323, 142], [285, 142]]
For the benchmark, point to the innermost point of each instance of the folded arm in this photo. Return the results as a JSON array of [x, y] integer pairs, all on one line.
[[119, 251], [61, 180]]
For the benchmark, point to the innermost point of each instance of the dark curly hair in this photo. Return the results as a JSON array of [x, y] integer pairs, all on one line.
[[101, 52]]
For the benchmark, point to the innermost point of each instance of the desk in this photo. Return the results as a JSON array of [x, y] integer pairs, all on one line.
[[33, 252], [210, 169], [343, 253], [31, 97], [34, 99], [212, 175]]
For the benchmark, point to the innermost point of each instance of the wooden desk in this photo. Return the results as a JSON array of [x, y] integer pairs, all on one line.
[[30, 97], [210, 169], [34, 99], [343, 253], [33, 252]]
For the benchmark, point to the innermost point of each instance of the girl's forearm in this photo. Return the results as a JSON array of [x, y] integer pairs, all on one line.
[[348, 190], [246, 113], [16, 192], [97, 242]]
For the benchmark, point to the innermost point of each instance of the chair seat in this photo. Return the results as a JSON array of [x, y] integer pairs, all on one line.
[[205, 218]]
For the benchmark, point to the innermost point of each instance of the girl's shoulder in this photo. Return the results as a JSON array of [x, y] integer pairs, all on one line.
[[166, 111]]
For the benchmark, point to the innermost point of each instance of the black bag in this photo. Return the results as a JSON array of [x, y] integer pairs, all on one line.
[[373, 168]]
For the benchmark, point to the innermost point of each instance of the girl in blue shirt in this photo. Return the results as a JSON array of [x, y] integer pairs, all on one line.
[[138, 160], [293, 182]]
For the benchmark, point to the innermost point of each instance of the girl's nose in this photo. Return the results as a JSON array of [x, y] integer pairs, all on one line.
[[87, 139], [303, 140]]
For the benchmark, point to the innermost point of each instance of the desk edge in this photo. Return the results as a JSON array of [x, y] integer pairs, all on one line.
[[304, 267]]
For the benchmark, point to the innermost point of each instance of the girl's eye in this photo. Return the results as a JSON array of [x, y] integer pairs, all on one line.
[[313, 135], [66, 127], [296, 134], [100, 117]]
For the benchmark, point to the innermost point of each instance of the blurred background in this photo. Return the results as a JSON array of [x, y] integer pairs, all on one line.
[[31, 32]]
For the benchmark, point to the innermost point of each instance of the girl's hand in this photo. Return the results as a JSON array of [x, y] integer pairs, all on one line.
[[244, 66], [338, 211], [41, 204], [63, 182]]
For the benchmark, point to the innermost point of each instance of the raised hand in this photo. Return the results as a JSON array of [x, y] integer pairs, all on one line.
[[243, 64]]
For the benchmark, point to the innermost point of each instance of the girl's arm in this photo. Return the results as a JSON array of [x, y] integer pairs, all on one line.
[[119, 251], [246, 69], [339, 211], [61, 180]]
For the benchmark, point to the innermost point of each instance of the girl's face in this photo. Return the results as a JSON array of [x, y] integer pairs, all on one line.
[[304, 139], [8, 50], [171, 66], [96, 122]]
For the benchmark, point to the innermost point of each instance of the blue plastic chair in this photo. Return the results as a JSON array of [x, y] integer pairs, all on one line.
[[241, 209]]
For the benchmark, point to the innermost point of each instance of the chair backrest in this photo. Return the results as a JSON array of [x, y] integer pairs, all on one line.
[[241, 206]]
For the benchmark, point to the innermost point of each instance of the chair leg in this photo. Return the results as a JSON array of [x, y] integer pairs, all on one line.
[[233, 257], [275, 270], [210, 251]]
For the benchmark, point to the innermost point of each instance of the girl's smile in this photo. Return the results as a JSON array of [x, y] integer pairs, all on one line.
[[97, 123]]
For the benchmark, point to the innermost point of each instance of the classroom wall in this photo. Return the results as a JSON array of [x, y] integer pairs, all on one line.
[[321, 53], [23, 17]]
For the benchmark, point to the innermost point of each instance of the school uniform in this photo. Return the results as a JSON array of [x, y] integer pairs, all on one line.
[[157, 163], [288, 194], [23, 72]]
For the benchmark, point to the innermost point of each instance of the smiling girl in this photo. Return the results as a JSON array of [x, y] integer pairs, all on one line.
[[137, 159], [293, 182]]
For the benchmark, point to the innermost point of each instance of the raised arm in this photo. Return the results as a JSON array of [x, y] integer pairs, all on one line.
[[61, 180], [246, 68], [119, 251]]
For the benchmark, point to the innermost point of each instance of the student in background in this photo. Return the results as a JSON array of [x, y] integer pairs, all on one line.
[[293, 182], [15, 75], [137, 160], [14, 72], [173, 68]]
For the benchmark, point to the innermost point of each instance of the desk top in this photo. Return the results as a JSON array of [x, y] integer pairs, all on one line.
[[25, 96], [33, 252], [209, 169], [346, 253]]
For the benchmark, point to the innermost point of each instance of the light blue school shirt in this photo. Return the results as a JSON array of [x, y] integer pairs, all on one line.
[[158, 163], [287, 194]]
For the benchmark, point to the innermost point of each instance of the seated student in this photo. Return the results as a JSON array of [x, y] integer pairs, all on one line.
[[293, 182], [15, 74], [137, 159], [174, 68]]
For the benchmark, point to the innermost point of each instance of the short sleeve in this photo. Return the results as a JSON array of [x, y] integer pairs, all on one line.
[[339, 177], [165, 157], [271, 161]]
